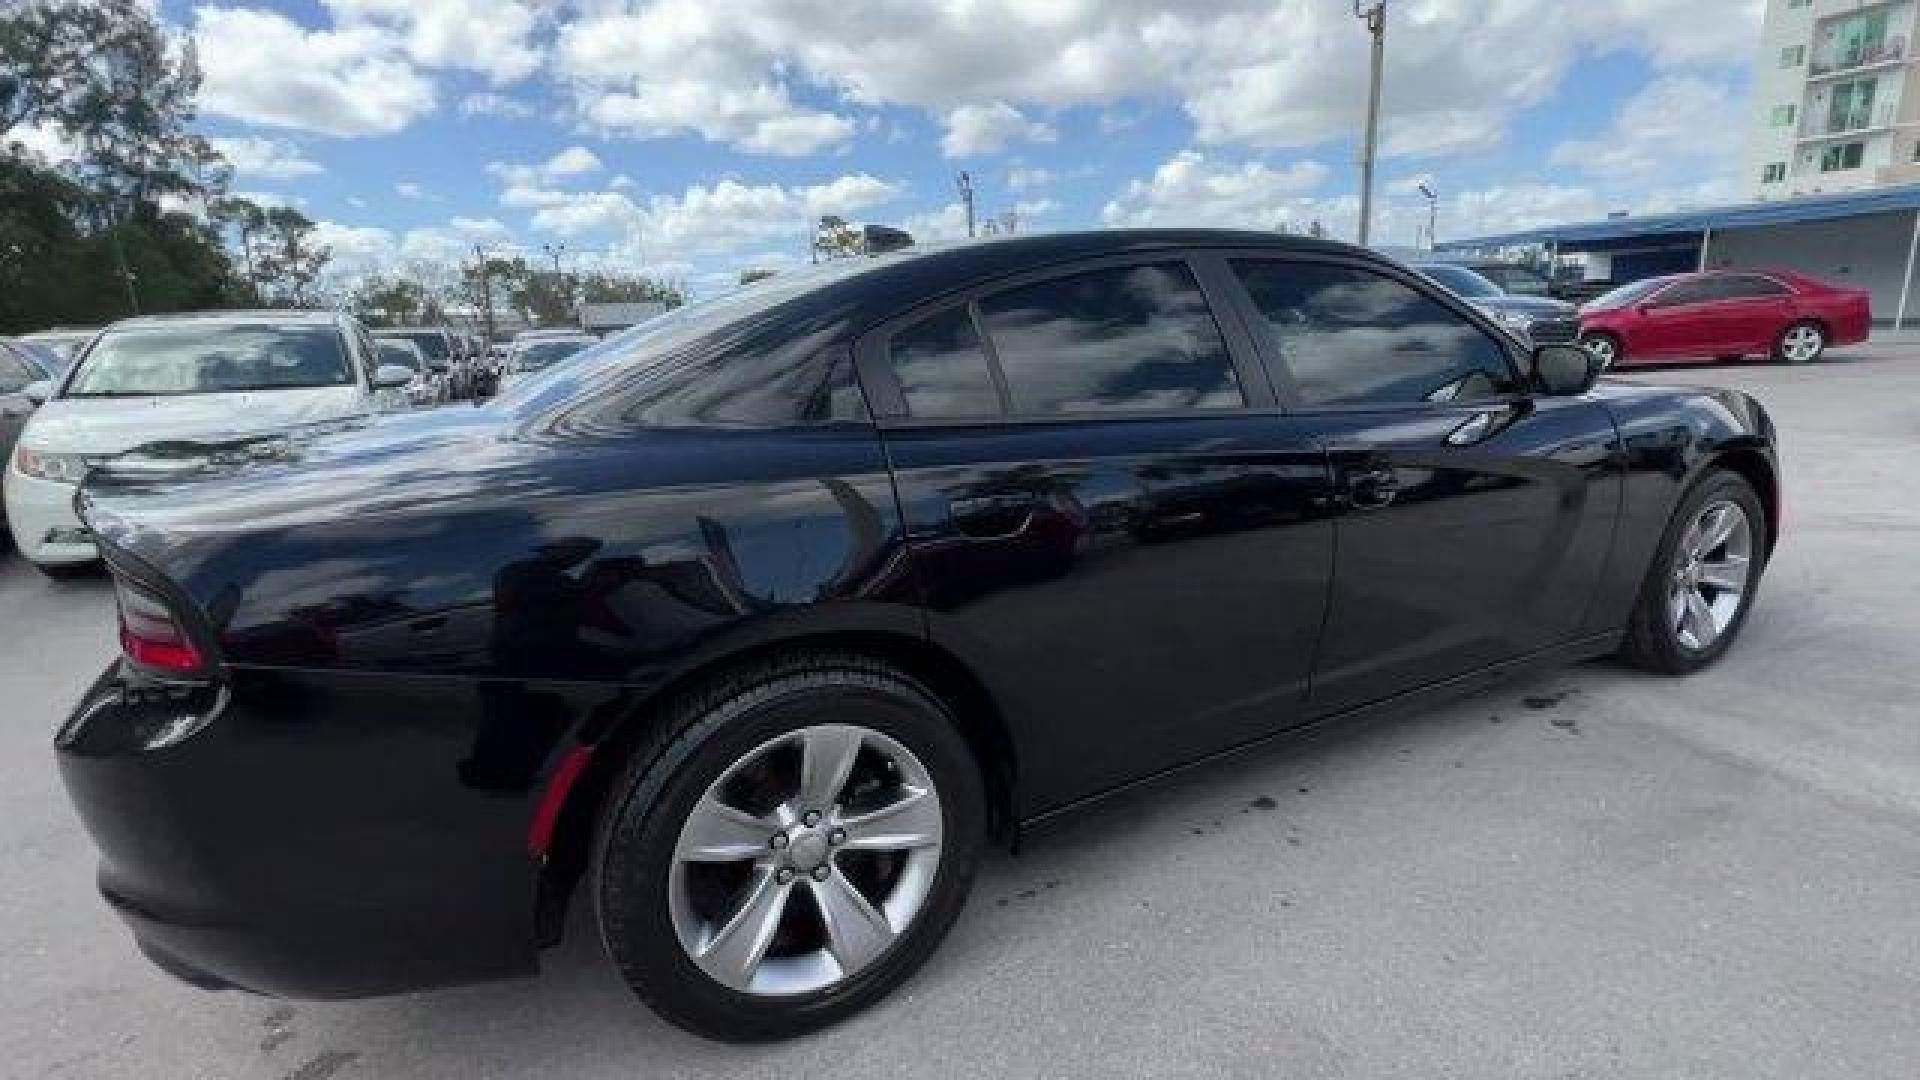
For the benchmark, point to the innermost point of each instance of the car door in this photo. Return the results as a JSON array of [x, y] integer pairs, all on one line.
[[15, 375], [1747, 314], [1107, 514], [1676, 321], [1475, 516]]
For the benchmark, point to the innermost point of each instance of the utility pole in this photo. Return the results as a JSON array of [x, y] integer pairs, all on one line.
[[1433, 214], [554, 251], [965, 183], [1375, 14]]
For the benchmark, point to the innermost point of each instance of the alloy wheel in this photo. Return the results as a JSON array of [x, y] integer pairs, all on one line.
[[1600, 347], [805, 860], [1712, 572], [1801, 343]]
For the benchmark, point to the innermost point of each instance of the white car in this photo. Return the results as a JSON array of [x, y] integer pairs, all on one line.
[[538, 351], [205, 377], [428, 387]]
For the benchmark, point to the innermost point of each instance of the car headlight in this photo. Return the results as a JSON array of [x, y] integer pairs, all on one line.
[[64, 468]]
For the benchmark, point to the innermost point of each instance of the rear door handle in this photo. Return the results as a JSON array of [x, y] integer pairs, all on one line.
[[989, 517]]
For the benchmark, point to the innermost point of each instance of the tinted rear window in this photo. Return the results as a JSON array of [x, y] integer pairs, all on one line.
[[154, 361], [1129, 338]]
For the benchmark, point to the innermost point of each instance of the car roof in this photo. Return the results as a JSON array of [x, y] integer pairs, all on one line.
[[232, 317]]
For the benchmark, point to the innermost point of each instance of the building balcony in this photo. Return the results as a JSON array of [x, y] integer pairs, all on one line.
[[1838, 62], [1859, 122]]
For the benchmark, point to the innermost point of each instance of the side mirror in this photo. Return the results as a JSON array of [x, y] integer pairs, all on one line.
[[38, 391], [1564, 370], [391, 376]]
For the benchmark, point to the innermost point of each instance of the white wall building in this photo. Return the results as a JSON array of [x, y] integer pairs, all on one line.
[[1836, 98]]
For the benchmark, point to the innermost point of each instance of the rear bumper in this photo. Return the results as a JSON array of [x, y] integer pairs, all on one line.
[[303, 839]]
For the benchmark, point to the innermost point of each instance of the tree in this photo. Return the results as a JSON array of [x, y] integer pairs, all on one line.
[[833, 238], [289, 262], [754, 273], [384, 301], [607, 287]]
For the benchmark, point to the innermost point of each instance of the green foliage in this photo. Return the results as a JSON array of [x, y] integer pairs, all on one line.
[[385, 301], [602, 287], [754, 273]]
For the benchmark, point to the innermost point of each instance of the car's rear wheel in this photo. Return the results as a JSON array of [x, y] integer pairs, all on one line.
[[797, 849], [1603, 347], [1801, 343], [1701, 585]]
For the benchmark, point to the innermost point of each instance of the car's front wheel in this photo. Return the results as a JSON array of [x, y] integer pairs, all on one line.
[[1603, 347], [1702, 582], [797, 849]]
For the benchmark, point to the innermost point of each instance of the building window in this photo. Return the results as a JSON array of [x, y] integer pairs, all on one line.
[[1775, 172], [1793, 56], [1783, 116], [1842, 157]]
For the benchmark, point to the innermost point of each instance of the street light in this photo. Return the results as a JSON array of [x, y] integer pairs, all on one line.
[[1374, 12], [1433, 214]]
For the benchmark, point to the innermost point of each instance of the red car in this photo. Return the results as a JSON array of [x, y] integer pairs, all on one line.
[[1723, 315]]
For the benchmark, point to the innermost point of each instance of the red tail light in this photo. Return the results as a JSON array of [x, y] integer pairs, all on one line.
[[152, 636]]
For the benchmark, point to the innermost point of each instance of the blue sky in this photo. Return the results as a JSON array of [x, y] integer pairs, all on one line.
[[694, 138]]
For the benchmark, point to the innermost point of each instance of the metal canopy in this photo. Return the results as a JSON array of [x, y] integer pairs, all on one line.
[[1612, 232]]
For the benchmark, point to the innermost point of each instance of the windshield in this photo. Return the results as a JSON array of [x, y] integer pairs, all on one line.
[[431, 342], [1630, 293], [639, 346], [540, 354], [62, 345], [1459, 279], [392, 352], [52, 362], [161, 361], [1515, 279]]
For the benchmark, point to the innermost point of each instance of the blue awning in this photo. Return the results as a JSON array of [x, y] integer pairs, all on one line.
[[1616, 232]]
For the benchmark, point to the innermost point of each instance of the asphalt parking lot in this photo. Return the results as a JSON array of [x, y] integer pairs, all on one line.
[[1590, 874]]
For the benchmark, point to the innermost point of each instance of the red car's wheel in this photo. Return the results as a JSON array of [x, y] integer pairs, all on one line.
[[1603, 347], [1801, 343]]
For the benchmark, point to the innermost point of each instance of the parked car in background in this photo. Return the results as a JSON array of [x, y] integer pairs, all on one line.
[[1536, 319], [1724, 315], [437, 342], [427, 387], [202, 378], [759, 620], [66, 341], [27, 374], [531, 354]]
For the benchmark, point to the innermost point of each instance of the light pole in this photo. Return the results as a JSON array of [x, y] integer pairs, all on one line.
[[1433, 214], [1375, 14]]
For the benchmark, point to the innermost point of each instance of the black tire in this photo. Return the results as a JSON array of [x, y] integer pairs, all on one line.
[[1780, 354], [1652, 642], [701, 735], [1618, 352]]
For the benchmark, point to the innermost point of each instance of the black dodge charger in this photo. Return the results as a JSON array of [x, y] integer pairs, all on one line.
[[759, 621]]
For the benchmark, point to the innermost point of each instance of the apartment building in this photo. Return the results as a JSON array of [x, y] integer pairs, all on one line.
[[1836, 98]]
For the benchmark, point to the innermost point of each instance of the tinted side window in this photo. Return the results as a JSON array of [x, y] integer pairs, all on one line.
[[1349, 336], [1696, 291], [942, 369], [1745, 286], [1129, 338]]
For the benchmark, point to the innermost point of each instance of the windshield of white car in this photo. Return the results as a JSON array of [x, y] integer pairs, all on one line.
[[1626, 294], [392, 352], [1460, 280], [432, 342], [536, 355], [163, 361]]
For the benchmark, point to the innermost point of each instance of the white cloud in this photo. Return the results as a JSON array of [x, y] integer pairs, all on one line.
[[1677, 123], [1188, 189], [499, 106], [275, 159], [949, 222], [407, 189], [1024, 178], [986, 129], [493, 37], [621, 182], [45, 143], [573, 161], [264, 68]]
